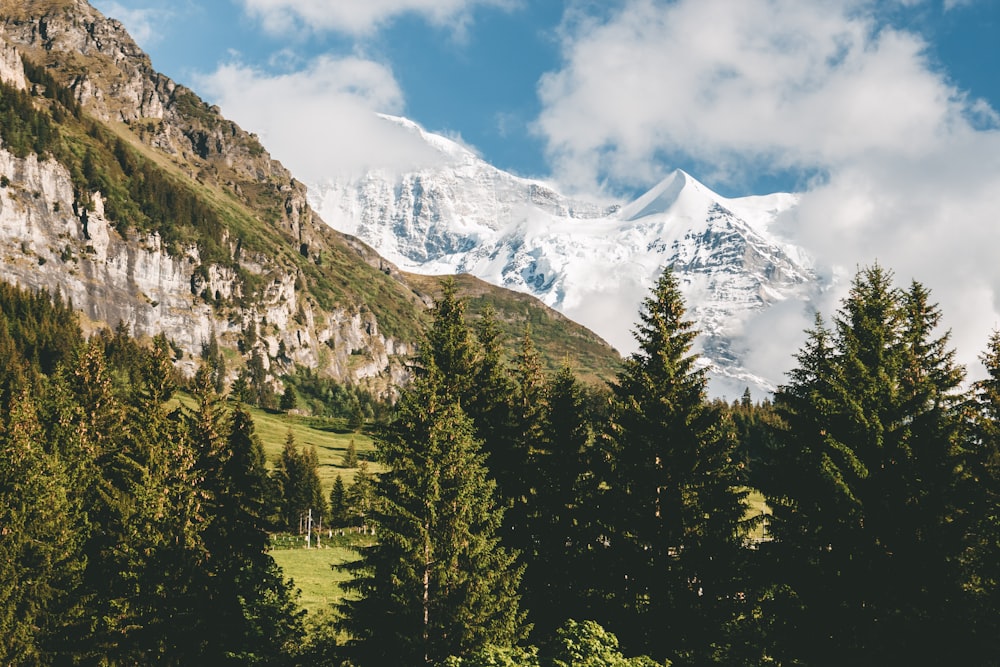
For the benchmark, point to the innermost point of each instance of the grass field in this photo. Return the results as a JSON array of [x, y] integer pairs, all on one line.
[[328, 437], [312, 570], [757, 506]]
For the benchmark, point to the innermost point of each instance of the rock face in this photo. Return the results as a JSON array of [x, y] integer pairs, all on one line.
[[595, 264], [49, 239]]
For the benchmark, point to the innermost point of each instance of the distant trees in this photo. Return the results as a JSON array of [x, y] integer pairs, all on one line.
[[297, 475]]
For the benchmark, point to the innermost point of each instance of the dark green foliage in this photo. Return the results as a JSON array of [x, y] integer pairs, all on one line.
[[350, 456], [982, 483], [868, 518], [43, 328], [298, 478], [250, 614], [361, 498], [324, 397], [40, 558], [437, 583], [676, 506], [338, 514], [563, 513], [142, 533], [573, 644], [289, 401], [24, 129]]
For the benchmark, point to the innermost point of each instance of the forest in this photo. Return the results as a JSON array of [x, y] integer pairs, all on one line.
[[520, 517]]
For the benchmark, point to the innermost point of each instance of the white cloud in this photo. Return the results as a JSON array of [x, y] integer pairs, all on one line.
[[909, 166], [800, 84], [140, 23], [359, 16], [320, 121]]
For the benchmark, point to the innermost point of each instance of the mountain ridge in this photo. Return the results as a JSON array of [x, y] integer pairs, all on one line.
[[261, 262], [594, 263]]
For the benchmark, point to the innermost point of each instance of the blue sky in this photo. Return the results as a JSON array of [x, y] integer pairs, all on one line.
[[477, 69]]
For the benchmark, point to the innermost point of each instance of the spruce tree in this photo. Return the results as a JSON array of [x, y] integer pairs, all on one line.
[[350, 456], [252, 616], [677, 506], [867, 525], [298, 476], [982, 488], [437, 583], [563, 512], [338, 503], [40, 556]]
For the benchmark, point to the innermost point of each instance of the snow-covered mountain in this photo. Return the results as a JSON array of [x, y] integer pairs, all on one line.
[[594, 263]]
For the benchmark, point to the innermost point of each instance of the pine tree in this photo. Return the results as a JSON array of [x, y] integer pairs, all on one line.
[[982, 488], [289, 401], [252, 616], [867, 525], [361, 497], [560, 567], [677, 504], [338, 513], [298, 476], [437, 583], [39, 548], [350, 456], [450, 347]]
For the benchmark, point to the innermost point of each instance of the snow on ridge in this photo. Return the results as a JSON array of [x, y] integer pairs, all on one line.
[[593, 263]]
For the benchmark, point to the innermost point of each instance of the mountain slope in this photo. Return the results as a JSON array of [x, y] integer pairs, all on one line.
[[592, 263], [148, 208]]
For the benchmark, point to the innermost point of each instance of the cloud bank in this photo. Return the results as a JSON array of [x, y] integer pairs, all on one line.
[[906, 166], [320, 121]]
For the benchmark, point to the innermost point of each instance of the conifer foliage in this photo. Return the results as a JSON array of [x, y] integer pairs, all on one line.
[[865, 487], [437, 582], [676, 498]]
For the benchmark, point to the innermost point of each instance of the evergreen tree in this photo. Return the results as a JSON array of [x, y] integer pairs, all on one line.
[[450, 347], [361, 497], [982, 488], [289, 401], [350, 456], [338, 513], [491, 404], [298, 476], [563, 511], [39, 550], [437, 583], [677, 513], [866, 523], [252, 616]]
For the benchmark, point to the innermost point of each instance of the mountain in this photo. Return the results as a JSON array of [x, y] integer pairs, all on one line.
[[593, 263], [126, 193]]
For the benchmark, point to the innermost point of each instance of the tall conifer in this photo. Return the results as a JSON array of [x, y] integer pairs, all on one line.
[[438, 582], [677, 512], [867, 526]]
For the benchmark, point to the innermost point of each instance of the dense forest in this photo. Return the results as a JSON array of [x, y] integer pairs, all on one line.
[[520, 518]]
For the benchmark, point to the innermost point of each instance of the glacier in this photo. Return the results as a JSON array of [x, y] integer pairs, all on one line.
[[593, 261]]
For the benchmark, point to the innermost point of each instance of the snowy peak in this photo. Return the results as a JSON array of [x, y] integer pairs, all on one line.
[[594, 263], [449, 148], [678, 193]]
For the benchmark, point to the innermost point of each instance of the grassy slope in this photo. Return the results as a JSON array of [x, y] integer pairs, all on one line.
[[559, 340]]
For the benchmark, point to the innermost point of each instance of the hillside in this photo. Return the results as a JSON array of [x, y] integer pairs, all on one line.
[[145, 206]]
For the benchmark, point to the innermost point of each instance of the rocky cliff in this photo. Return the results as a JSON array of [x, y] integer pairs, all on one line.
[[254, 258], [51, 238]]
